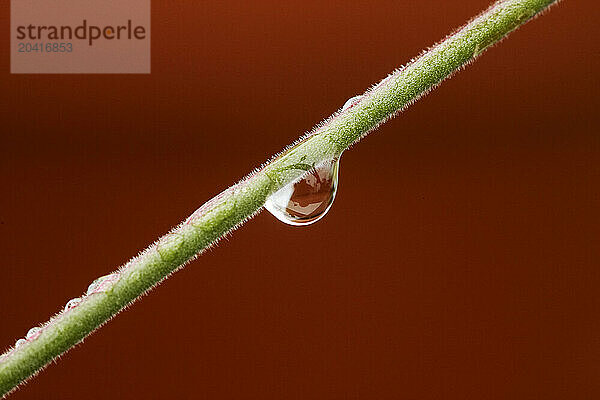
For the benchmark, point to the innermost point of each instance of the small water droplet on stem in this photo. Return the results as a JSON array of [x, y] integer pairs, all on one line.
[[72, 303], [352, 101], [33, 333], [102, 284]]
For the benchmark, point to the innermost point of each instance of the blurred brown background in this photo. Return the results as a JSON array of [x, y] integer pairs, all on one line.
[[459, 261]]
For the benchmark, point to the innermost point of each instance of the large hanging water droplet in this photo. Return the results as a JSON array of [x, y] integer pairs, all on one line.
[[308, 199]]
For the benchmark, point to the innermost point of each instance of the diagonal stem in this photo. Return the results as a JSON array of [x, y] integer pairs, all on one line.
[[240, 202]]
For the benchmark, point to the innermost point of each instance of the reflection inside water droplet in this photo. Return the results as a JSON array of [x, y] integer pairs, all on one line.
[[352, 101], [20, 343], [33, 333], [307, 200], [72, 303]]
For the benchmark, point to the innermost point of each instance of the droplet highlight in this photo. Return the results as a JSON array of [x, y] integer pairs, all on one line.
[[20, 343], [72, 303], [352, 101], [308, 199]]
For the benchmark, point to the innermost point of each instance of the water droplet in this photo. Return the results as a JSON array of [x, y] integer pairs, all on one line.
[[352, 101], [308, 199], [72, 303], [102, 284], [33, 333], [20, 343]]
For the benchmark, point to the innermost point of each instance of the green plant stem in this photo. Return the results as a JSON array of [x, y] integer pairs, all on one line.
[[234, 206]]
